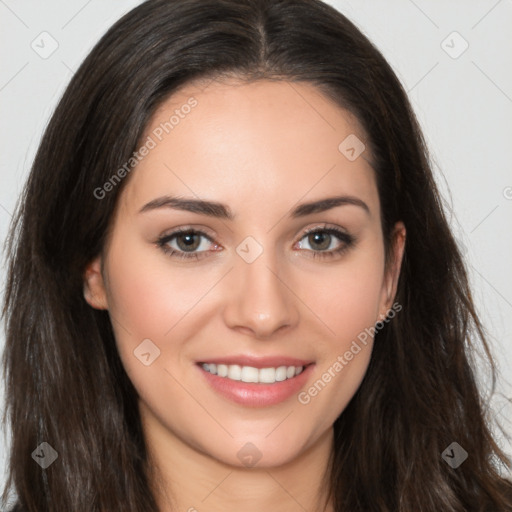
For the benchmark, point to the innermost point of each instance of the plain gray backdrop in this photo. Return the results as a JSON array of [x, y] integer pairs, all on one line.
[[453, 58]]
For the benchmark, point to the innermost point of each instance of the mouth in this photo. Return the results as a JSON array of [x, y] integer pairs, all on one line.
[[256, 382]]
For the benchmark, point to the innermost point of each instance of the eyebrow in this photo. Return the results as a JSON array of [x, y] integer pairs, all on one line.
[[222, 211]]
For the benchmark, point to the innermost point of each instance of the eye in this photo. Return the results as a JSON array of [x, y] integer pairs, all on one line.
[[321, 240], [186, 241]]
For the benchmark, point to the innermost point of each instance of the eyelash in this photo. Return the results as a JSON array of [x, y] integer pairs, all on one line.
[[348, 241]]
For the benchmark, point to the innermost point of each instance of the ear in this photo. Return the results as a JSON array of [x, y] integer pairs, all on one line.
[[390, 283], [94, 285]]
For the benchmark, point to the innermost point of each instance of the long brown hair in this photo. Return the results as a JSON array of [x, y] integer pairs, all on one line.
[[65, 384]]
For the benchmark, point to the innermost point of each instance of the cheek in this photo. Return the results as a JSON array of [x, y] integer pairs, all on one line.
[[349, 299], [150, 299], [349, 304], [148, 296]]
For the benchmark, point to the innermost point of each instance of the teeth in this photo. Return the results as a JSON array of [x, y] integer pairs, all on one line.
[[222, 370], [281, 373], [234, 371], [267, 375], [251, 374]]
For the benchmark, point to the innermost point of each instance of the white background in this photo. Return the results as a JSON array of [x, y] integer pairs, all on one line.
[[464, 105]]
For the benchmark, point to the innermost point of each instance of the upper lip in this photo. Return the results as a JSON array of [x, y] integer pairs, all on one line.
[[257, 362]]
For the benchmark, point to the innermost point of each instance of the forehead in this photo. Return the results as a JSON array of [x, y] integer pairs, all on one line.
[[245, 143]]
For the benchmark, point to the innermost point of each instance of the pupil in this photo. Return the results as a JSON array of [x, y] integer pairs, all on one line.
[[325, 237], [189, 242]]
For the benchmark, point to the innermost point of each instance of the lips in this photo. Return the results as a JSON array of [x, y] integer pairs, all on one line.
[[256, 381]]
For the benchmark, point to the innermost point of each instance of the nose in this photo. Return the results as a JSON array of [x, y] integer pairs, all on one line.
[[260, 301]]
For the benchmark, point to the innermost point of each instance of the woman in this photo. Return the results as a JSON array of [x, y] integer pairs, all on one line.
[[177, 340]]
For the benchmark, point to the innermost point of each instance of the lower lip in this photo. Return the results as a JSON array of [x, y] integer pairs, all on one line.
[[257, 395]]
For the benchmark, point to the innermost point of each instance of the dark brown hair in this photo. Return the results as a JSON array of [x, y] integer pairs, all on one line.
[[65, 383]]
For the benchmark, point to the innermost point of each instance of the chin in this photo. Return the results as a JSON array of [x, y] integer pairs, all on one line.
[[261, 452]]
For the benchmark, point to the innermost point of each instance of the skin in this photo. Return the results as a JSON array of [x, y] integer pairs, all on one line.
[[260, 148]]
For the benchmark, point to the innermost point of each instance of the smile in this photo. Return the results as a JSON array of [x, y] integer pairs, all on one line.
[[254, 381]]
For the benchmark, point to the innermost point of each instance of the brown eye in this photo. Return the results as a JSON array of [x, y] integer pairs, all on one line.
[[321, 241], [188, 242], [184, 243]]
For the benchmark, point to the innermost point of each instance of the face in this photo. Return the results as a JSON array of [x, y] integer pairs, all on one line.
[[239, 296]]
